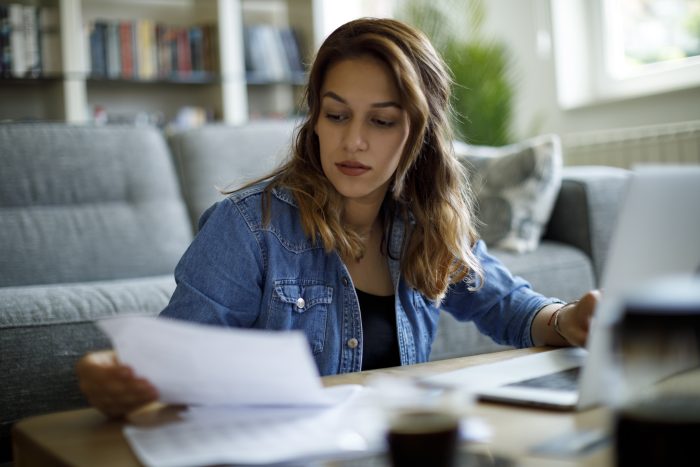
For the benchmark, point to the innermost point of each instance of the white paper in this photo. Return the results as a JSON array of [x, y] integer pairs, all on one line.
[[262, 435], [355, 425], [207, 365]]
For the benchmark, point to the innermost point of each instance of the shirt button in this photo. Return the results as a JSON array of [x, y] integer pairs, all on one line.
[[346, 282], [300, 303], [353, 343]]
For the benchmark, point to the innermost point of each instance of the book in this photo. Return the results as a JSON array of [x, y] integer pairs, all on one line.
[[126, 49], [290, 42], [258, 65], [32, 57], [98, 52], [113, 59], [273, 50], [267, 57], [164, 55], [196, 35], [145, 47], [50, 41], [5, 47], [135, 49], [211, 50], [184, 53], [16, 23]]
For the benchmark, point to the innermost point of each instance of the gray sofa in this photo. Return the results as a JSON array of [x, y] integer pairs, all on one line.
[[94, 219]]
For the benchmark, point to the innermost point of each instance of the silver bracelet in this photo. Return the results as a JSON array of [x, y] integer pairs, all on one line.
[[556, 319], [556, 324]]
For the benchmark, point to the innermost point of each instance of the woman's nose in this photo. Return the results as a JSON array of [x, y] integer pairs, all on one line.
[[355, 138]]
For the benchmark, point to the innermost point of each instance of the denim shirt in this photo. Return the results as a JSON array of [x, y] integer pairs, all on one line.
[[240, 272]]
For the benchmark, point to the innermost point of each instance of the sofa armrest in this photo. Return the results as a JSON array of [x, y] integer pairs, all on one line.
[[586, 210], [44, 330]]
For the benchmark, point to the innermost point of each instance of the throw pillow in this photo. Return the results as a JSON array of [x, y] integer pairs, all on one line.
[[515, 187]]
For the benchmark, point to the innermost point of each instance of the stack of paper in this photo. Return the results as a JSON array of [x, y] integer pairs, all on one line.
[[255, 396]]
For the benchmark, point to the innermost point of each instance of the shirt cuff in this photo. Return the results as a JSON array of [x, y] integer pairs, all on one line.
[[527, 339]]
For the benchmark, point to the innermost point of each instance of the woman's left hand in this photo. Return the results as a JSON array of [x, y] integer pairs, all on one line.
[[574, 319]]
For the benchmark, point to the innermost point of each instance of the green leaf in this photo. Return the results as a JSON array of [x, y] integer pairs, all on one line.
[[483, 92]]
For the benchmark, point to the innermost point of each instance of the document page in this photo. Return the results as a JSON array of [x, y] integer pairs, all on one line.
[[260, 435], [198, 364]]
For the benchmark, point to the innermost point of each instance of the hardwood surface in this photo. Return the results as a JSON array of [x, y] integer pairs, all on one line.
[[86, 438]]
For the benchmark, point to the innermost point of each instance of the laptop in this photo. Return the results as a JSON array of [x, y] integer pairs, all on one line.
[[657, 235]]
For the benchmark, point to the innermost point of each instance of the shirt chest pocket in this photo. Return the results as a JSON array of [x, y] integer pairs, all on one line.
[[301, 305]]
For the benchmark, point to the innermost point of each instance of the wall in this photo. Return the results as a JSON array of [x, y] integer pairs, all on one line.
[[516, 22]]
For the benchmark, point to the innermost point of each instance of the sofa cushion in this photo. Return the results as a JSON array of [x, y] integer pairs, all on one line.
[[515, 187], [586, 210], [86, 203], [216, 157], [44, 330]]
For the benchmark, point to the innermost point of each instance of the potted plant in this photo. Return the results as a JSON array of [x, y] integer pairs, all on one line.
[[483, 91]]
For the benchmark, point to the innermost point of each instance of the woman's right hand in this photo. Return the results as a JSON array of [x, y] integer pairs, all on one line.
[[112, 387]]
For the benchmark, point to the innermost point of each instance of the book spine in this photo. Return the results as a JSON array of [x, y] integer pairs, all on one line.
[[257, 66], [18, 58], [113, 50], [275, 55], [32, 56], [169, 51], [290, 42], [207, 62], [184, 53], [135, 49], [197, 48], [161, 47], [126, 49], [146, 49], [5, 47], [98, 53], [172, 46], [153, 48], [50, 40], [142, 48]]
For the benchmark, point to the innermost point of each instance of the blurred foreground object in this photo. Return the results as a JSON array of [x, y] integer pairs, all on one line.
[[659, 335]]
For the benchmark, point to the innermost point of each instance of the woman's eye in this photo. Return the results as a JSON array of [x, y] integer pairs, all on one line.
[[380, 122], [334, 117]]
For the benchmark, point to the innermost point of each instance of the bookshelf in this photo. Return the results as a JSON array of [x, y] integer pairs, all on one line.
[[223, 85]]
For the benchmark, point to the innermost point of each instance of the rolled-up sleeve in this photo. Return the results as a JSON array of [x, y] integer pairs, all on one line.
[[503, 308]]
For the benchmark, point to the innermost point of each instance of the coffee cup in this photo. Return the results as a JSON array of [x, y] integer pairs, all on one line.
[[658, 431], [423, 437]]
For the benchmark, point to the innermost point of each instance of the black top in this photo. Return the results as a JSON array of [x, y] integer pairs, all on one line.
[[381, 343]]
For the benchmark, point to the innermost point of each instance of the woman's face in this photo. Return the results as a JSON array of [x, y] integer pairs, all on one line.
[[362, 128]]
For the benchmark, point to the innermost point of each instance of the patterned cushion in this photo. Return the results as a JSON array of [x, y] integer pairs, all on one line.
[[515, 187]]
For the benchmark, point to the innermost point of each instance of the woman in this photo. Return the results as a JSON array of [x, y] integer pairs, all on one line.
[[361, 236]]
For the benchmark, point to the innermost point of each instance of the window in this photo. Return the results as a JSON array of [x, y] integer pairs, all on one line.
[[616, 49]]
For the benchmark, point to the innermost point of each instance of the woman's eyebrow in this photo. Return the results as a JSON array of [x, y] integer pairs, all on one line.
[[336, 97]]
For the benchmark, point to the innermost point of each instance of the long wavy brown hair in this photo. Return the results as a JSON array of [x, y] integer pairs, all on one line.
[[429, 189]]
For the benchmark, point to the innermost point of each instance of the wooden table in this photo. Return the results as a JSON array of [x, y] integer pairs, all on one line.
[[86, 438]]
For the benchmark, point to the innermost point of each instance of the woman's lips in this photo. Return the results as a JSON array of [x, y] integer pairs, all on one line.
[[352, 168]]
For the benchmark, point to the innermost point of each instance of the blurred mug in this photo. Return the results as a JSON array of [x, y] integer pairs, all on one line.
[[423, 438], [659, 432]]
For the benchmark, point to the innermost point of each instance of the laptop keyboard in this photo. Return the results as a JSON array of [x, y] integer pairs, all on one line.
[[566, 380]]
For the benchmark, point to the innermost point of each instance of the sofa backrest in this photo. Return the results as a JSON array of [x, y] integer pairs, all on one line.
[[87, 203], [216, 157]]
